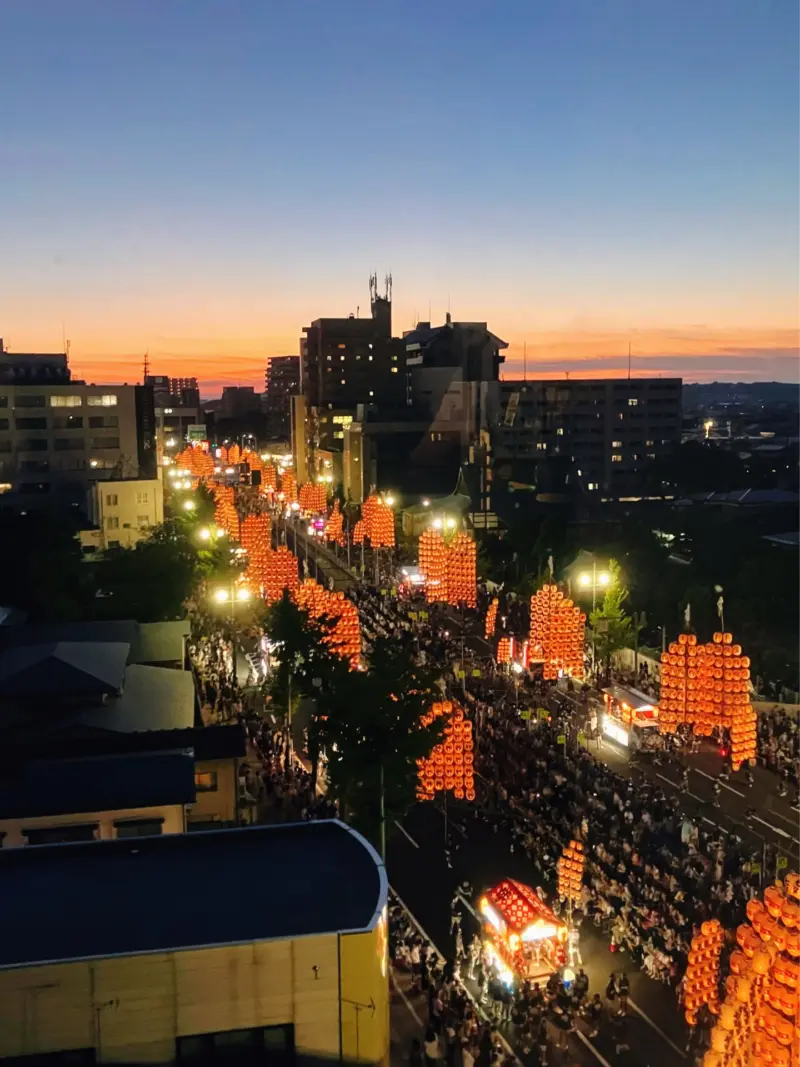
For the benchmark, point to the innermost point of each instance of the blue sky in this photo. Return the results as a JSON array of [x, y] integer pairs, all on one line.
[[203, 178]]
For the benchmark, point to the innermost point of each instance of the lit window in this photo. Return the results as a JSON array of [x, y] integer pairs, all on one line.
[[592, 485], [65, 401], [142, 520], [329, 358], [616, 458], [616, 444], [141, 498], [394, 370], [111, 500], [343, 381], [112, 522], [649, 443], [370, 357], [541, 446], [371, 393], [651, 455], [341, 358], [560, 431], [103, 400], [633, 402]]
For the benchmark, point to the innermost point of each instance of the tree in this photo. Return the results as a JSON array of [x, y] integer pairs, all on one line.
[[612, 629], [43, 572], [370, 723]]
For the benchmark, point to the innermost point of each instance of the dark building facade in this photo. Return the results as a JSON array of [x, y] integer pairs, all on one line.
[[281, 383], [596, 436], [174, 392]]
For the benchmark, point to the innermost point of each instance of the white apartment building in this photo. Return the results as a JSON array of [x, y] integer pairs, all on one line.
[[123, 512]]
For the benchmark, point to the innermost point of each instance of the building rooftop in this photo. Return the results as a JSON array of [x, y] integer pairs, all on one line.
[[64, 669], [161, 894], [105, 783], [150, 642]]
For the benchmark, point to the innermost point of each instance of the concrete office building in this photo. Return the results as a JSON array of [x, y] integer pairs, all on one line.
[[281, 383], [595, 436], [58, 436], [162, 964], [123, 512]]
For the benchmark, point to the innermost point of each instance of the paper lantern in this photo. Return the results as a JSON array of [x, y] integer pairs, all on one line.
[[288, 487], [451, 765], [557, 633], [345, 635], [491, 619], [505, 650], [378, 522], [334, 530], [570, 868], [312, 498], [225, 514], [449, 568], [196, 462], [280, 573], [256, 540]]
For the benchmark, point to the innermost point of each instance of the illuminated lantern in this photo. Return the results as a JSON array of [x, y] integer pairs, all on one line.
[[491, 619], [451, 764], [345, 634], [449, 569], [570, 868], [256, 539], [334, 530], [701, 984], [225, 514], [378, 520], [505, 650], [289, 487], [557, 633], [280, 573]]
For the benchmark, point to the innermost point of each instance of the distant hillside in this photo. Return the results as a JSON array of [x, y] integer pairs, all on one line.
[[712, 393]]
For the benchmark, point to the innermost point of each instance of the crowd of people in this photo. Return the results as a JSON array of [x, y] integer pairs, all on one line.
[[779, 743]]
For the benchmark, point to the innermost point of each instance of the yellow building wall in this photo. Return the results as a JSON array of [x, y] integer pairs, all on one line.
[[221, 805], [172, 815], [131, 1009]]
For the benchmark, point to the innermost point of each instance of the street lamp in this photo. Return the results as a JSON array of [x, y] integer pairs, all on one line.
[[601, 579], [239, 594], [189, 505]]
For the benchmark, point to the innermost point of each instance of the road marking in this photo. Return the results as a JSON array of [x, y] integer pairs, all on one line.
[[657, 1028], [786, 818], [436, 949], [675, 785], [405, 999], [405, 833], [581, 1036], [775, 829], [711, 778]]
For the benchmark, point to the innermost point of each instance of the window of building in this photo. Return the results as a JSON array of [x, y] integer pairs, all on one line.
[[112, 522], [29, 400], [560, 431], [34, 466], [342, 382], [65, 400], [339, 433], [139, 827], [104, 422], [616, 444], [592, 485], [394, 370], [34, 488], [141, 497], [633, 402], [67, 422], [341, 358], [370, 357], [541, 446], [111, 500], [102, 400], [271, 1045], [105, 442], [329, 358], [3, 401], [616, 458], [4, 424], [5, 446], [371, 393], [205, 781], [55, 835], [31, 424], [649, 444], [142, 520], [69, 444], [34, 444], [341, 346]]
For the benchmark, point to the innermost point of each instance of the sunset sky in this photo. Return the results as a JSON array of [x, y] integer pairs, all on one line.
[[200, 178]]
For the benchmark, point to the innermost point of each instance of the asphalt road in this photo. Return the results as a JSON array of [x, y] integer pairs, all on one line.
[[419, 873]]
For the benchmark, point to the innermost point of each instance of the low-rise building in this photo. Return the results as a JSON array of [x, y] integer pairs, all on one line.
[[123, 512], [95, 798], [143, 952]]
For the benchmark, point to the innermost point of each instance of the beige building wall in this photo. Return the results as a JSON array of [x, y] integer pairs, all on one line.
[[126, 511], [12, 831], [132, 1009], [216, 791]]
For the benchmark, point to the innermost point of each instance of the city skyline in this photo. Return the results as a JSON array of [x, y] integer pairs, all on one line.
[[611, 177]]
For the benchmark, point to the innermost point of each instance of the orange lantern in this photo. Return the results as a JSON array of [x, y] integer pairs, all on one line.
[[451, 764]]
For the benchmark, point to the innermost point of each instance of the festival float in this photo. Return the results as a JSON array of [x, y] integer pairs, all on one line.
[[630, 717], [524, 939]]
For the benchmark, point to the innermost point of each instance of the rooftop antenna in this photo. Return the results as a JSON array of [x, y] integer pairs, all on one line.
[[429, 311], [66, 349], [629, 361], [146, 368], [524, 361], [388, 283]]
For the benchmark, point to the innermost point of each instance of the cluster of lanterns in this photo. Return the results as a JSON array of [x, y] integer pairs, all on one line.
[[334, 528], [701, 985], [345, 635], [256, 540], [759, 1020], [196, 460], [280, 573], [451, 764], [570, 869], [312, 497], [269, 478], [378, 522], [229, 457], [708, 685], [449, 567], [505, 650], [225, 514], [491, 619], [557, 632], [289, 487]]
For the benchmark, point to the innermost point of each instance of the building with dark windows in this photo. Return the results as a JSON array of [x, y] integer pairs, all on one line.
[[174, 392], [281, 383], [593, 437], [144, 955]]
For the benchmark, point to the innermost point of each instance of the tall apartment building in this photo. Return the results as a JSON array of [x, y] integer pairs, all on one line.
[[58, 436], [174, 392], [281, 383], [597, 434], [347, 362]]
